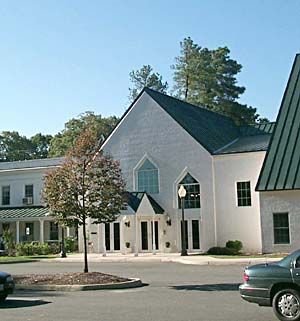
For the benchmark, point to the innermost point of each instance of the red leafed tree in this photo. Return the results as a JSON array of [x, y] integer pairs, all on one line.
[[88, 184]]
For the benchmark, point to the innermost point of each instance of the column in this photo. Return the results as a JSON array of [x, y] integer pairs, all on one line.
[[103, 239], [136, 250], [153, 237], [99, 238], [68, 232], [42, 231], [122, 236], [17, 232]]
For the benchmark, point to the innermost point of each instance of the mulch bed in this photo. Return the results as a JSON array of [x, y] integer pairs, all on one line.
[[76, 278]]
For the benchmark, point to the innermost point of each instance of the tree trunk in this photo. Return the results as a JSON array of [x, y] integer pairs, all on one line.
[[186, 88], [86, 270]]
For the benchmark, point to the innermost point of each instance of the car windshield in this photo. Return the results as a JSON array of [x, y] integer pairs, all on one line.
[[286, 261]]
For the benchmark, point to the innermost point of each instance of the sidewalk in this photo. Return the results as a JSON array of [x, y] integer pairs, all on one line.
[[164, 257]]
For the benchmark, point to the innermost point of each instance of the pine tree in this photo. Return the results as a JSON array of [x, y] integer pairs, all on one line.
[[145, 77], [207, 78]]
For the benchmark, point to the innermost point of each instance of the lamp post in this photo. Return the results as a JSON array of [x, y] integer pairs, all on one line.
[[181, 194], [63, 249]]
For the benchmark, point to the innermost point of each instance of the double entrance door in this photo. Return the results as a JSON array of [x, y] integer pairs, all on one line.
[[147, 243], [112, 236]]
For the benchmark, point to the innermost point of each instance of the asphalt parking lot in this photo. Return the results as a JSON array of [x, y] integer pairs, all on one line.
[[173, 291]]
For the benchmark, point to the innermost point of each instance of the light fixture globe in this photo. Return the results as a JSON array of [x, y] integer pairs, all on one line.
[[181, 191]]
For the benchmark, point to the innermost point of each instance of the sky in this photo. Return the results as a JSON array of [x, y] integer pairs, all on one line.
[[60, 58]]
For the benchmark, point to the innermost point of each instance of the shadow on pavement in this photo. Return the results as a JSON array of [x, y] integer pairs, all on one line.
[[17, 303], [208, 287]]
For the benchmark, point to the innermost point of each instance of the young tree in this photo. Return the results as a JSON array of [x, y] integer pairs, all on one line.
[[145, 77], [65, 139], [87, 185], [207, 78]]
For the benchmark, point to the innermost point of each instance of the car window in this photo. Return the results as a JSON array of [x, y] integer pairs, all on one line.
[[297, 264]]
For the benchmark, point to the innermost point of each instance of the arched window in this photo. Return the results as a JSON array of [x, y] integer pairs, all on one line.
[[148, 178], [192, 198]]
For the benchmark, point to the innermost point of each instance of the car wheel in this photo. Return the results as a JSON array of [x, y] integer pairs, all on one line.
[[286, 305], [3, 297]]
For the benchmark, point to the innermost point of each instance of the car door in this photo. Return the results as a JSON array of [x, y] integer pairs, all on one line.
[[295, 270]]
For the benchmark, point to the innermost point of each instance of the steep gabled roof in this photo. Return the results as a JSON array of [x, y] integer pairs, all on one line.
[[280, 170], [210, 129], [134, 199], [215, 132]]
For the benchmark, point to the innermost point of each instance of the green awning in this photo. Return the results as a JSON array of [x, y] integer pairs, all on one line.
[[23, 212]]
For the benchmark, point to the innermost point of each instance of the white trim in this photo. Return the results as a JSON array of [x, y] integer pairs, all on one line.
[[28, 168], [179, 178], [214, 201]]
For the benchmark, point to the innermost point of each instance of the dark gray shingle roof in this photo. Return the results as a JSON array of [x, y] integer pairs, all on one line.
[[215, 132], [281, 168], [134, 199]]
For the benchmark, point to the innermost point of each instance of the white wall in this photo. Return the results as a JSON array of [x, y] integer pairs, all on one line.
[[21, 173], [233, 222], [17, 181], [148, 129], [280, 202]]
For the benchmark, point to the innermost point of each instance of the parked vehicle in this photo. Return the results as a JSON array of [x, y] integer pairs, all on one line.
[[275, 284], [7, 285]]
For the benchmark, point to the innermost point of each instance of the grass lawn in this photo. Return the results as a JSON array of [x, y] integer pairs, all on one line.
[[6, 259]]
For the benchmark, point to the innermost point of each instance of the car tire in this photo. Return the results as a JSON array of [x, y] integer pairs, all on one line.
[[286, 305], [3, 297]]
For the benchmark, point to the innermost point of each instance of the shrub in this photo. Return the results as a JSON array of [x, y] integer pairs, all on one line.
[[217, 250], [8, 241], [235, 245], [36, 248], [70, 244]]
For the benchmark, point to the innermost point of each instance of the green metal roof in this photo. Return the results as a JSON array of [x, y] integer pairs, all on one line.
[[280, 170], [134, 199], [215, 132], [23, 212]]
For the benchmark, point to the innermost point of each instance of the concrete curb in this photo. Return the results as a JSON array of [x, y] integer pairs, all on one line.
[[132, 283], [18, 262], [226, 261]]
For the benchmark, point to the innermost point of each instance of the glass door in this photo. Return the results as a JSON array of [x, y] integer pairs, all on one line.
[[144, 236], [155, 233], [107, 236], [117, 236]]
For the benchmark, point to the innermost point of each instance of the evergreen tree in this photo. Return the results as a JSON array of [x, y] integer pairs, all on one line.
[[145, 77], [207, 78]]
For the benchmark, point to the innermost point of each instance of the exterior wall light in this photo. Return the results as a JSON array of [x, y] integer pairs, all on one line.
[[168, 220]]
